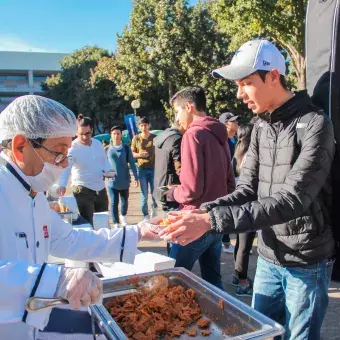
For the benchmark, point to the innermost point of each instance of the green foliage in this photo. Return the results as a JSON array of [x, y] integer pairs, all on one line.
[[169, 45], [282, 21], [86, 85]]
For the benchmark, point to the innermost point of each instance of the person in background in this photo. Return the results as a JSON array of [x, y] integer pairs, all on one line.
[[106, 145], [89, 165], [120, 156], [244, 241], [206, 174], [143, 149], [231, 124], [168, 163]]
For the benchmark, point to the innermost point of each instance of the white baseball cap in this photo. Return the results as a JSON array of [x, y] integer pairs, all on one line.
[[252, 56]]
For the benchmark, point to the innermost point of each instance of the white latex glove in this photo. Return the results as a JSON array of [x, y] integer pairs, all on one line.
[[149, 230], [80, 287]]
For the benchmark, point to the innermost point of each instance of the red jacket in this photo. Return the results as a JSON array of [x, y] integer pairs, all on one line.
[[206, 172]]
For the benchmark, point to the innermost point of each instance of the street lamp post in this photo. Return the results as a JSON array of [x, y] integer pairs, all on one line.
[[135, 104]]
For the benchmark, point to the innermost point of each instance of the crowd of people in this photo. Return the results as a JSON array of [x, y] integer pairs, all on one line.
[[212, 177]]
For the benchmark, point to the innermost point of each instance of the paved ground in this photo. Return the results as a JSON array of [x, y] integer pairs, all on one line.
[[331, 326]]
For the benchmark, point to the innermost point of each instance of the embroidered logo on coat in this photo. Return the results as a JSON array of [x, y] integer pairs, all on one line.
[[46, 235]]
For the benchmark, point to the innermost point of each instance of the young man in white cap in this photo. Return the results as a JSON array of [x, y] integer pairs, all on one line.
[[283, 192], [36, 133]]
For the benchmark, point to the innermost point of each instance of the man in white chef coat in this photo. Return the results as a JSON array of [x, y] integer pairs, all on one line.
[[36, 134]]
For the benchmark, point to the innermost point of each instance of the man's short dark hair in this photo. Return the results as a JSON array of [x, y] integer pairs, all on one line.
[[192, 94], [84, 121], [144, 120], [262, 74], [117, 127]]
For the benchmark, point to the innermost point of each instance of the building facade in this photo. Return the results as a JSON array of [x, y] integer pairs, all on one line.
[[22, 73]]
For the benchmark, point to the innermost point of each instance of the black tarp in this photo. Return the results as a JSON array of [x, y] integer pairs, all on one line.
[[323, 84]]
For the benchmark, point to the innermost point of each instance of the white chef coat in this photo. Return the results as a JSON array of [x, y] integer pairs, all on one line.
[[29, 232], [87, 165]]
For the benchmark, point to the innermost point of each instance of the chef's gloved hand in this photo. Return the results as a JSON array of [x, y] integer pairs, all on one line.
[[80, 287], [148, 230]]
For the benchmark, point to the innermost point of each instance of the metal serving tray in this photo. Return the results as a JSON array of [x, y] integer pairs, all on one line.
[[236, 321]]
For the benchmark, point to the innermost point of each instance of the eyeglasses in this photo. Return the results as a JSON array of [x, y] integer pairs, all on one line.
[[60, 157], [87, 134]]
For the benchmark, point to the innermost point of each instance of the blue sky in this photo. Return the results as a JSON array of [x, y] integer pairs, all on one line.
[[61, 25]]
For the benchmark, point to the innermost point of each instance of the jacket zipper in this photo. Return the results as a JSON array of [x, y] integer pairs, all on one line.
[[270, 190], [274, 160]]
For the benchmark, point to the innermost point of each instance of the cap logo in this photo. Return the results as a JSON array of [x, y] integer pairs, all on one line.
[[265, 63]]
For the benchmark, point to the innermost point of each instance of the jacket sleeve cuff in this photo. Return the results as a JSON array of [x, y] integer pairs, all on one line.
[[46, 289], [213, 221]]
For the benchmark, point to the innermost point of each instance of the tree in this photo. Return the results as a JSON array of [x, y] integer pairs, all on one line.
[[86, 85], [149, 50], [282, 21], [169, 45]]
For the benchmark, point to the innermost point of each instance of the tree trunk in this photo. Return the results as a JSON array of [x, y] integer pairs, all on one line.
[[299, 65], [171, 90], [302, 77]]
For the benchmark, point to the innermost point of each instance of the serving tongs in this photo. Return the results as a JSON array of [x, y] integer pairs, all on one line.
[[37, 304]]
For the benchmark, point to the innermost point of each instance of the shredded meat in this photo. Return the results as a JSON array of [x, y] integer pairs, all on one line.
[[192, 332], [147, 316], [220, 304], [203, 323], [205, 332]]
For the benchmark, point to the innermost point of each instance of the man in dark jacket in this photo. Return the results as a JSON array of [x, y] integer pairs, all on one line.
[[167, 163], [206, 174], [282, 192]]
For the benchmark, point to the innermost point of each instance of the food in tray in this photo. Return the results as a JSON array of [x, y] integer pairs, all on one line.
[[203, 323], [205, 332], [220, 304], [145, 316], [192, 331]]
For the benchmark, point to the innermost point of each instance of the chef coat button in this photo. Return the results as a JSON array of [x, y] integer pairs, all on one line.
[[38, 244]]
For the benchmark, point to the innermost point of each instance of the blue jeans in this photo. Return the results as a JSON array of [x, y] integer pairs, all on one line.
[[295, 297], [206, 249], [146, 177], [114, 201]]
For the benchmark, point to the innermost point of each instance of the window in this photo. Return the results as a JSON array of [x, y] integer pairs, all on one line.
[[40, 79], [6, 99], [3, 78]]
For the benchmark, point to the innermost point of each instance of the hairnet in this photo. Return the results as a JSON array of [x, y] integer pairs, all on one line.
[[36, 117]]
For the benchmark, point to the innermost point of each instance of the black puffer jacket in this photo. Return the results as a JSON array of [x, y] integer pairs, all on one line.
[[282, 191], [167, 152]]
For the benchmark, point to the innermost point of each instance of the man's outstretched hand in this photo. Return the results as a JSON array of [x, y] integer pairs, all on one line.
[[186, 227]]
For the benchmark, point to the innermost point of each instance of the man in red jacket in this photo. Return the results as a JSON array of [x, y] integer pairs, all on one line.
[[206, 174]]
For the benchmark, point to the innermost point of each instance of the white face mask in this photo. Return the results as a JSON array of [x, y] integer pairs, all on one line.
[[48, 176]]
